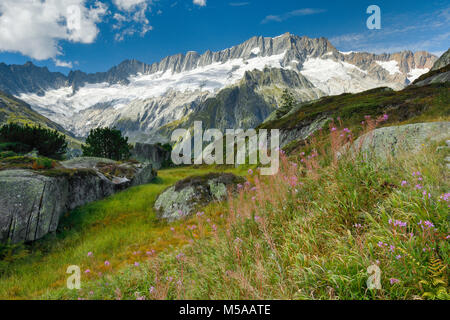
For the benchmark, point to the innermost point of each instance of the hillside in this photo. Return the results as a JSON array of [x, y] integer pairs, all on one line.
[[413, 104], [440, 72], [15, 110], [18, 111], [310, 231]]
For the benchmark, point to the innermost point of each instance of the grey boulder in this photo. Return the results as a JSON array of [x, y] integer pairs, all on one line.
[[32, 202], [190, 194]]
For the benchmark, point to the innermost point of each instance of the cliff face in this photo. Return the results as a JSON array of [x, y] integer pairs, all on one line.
[[443, 61], [32, 202]]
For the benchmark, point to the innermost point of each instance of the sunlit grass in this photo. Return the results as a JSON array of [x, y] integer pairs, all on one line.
[[309, 232], [120, 229]]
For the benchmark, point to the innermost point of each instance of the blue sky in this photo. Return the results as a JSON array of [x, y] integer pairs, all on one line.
[[111, 31]]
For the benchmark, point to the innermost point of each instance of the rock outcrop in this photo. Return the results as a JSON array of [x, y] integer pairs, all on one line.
[[443, 61], [392, 141], [188, 195], [440, 73], [151, 153], [32, 202]]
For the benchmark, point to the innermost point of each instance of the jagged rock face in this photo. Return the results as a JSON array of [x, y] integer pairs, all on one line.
[[32, 203], [147, 101], [442, 62], [440, 73], [15, 79], [192, 193]]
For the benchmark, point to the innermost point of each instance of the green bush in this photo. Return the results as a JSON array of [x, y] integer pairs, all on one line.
[[107, 143], [22, 139], [7, 154]]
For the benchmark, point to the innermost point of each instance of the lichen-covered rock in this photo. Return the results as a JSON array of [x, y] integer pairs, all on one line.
[[190, 194], [32, 202], [152, 153], [391, 141]]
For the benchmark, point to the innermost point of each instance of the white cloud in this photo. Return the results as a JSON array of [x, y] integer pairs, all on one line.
[[200, 3], [291, 14], [132, 19], [64, 64], [34, 28], [128, 5]]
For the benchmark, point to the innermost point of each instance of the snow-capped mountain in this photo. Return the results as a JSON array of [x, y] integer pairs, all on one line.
[[235, 87]]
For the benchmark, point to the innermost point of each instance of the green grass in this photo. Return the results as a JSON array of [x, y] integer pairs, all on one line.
[[113, 229], [311, 232]]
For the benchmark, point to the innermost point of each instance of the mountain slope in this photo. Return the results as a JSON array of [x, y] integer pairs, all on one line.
[[411, 105], [443, 61], [144, 100], [440, 72], [15, 110]]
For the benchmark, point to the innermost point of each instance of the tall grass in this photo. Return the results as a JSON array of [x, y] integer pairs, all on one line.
[[309, 232], [120, 229]]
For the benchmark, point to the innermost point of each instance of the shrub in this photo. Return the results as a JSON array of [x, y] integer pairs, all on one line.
[[107, 143], [22, 139], [288, 102], [43, 163], [7, 154]]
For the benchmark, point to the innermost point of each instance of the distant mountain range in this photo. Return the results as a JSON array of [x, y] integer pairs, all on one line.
[[235, 87]]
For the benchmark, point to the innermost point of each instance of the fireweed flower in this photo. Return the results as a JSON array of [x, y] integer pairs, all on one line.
[[107, 263], [180, 256], [398, 257], [90, 254], [333, 129], [404, 183], [380, 244], [391, 248], [136, 264], [393, 280], [151, 290], [428, 224], [250, 171], [419, 186], [87, 271]]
